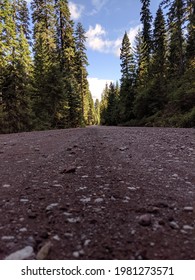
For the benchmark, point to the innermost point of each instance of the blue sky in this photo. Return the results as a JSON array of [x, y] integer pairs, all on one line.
[[105, 22]]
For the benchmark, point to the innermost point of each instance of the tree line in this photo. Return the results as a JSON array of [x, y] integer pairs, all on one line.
[[43, 76], [157, 85]]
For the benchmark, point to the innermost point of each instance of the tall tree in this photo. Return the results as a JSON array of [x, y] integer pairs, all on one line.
[[16, 69], [81, 71], [146, 20], [190, 49], [67, 56], [176, 20], [127, 79]]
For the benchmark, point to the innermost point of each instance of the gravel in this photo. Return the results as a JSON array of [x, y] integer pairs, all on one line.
[[98, 193]]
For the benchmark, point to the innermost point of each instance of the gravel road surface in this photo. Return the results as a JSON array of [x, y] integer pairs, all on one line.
[[98, 193]]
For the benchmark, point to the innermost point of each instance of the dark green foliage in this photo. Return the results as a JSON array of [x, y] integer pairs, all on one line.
[[49, 88], [127, 80], [158, 79]]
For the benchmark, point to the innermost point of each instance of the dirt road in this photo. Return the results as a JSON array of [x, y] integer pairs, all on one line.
[[98, 193]]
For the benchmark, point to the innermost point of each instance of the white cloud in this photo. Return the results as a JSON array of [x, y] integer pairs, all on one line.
[[97, 86], [97, 39], [76, 10]]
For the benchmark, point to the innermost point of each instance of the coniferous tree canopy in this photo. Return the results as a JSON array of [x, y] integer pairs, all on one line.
[[43, 81], [163, 88], [43, 71]]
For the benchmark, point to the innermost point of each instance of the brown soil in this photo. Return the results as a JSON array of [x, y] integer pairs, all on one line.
[[99, 193]]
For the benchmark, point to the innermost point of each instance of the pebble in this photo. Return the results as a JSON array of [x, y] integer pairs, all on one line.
[[98, 200], [86, 243], [56, 237], [145, 220], [188, 209], [23, 229], [7, 238], [132, 188], [44, 251], [23, 254], [85, 200], [187, 227], [6, 186], [75, 254], [24, 200], [123, 149], [174, 225], [74, 220], [71, 169], [52, 205]]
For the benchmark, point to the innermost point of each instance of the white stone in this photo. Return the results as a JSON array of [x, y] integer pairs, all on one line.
[[85, 200], [85, 176], [52, 205], [22, 254], [23, 229], [67, 214], [73, 220], [56, 237], [6, 186], [24, 200], [7, 238], [76, 254], [86, 243], [98, 200], [187, 227], [188, 209]]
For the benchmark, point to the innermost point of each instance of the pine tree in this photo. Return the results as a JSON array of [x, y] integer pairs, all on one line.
[[190, 49], [48, 87], [112, 107], [67, 57], [146, 20], [16, 70], [81, 71], [176, 19], [127, 80]]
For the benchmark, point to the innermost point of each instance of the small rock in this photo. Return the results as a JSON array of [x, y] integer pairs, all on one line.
[[98, 200], [74, 220], [56, 237], [44, 251], [174, 225], [67, 214], [75, 254], [123, 149], [85, 200], [6, 186], [7, 238], [187, 227], [24, 200], [132, 188], [188, 209], [51, 206], [71, 169], [145, 220], [23, 254], [86, 243], [23, 229]]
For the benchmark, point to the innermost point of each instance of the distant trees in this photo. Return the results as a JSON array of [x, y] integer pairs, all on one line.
[[42, 85], [160, 87]]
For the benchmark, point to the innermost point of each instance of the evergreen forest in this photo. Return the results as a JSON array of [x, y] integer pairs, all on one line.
[[43, 76], [157, 85], [43, 69]]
